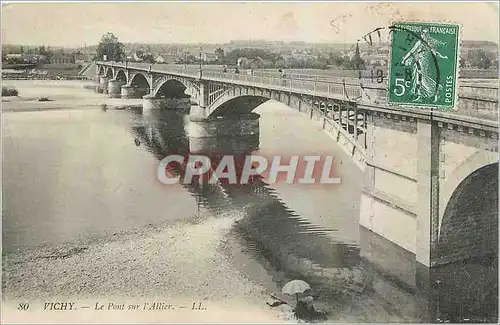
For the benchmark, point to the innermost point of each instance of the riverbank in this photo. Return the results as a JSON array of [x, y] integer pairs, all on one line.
[[61, 95], [181, 263], [18, 104]]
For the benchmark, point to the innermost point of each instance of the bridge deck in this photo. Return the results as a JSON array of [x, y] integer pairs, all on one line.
[[337, 90]]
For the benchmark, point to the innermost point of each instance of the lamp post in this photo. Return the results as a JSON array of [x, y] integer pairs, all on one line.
[[201, 73]]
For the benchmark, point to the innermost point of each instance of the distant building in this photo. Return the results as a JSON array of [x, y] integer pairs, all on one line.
[[379, 63], [62, 59], [241, 61], [254, 63], [136, 57], [376, 59], [128, 56], [166, 58], [206, 57], [35, 58], [12, 71], [82, 58], [14, 56]]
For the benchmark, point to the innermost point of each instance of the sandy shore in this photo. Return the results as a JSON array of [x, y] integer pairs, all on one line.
[[27, 104], [179, 263]]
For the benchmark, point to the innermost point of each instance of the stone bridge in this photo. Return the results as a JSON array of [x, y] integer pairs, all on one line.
[[431, 177]]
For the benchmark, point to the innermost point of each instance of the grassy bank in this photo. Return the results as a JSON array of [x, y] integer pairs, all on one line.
[[9, 91]]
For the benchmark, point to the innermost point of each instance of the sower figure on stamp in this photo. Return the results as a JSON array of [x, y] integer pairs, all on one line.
[[420, 60]]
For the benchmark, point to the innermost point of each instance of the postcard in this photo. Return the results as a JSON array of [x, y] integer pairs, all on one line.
[[250, 162]]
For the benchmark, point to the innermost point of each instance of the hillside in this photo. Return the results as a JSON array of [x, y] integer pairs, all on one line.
[[270, 45]]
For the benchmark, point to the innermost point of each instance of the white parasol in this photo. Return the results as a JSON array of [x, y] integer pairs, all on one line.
[[295, 287]]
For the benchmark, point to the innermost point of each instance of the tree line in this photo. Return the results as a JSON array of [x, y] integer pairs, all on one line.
[[261, 58], [480, 59], [110, 48], [42, 54]]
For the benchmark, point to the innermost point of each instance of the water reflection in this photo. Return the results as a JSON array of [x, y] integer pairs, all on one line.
[[291, 241], [466, 291], [289, 246], [163, 133]]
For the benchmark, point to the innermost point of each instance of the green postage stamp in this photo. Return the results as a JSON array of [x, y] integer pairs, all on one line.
[[423, 67]]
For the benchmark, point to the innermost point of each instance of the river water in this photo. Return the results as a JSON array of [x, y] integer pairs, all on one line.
[[82, 172]]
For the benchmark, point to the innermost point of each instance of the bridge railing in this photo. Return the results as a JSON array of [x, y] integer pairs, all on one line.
[[481, 90], [372, 80], [321, 85], [334, 88]]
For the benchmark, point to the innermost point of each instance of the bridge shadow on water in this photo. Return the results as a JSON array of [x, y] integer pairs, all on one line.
[[288, 246]]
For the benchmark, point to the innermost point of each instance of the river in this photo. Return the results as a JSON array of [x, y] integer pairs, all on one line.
[[86, 177]]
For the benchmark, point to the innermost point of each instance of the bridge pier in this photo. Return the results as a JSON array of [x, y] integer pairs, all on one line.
[[238, 126], [427, 209], [97, 80], [198, 113], [128, 91], [114, 88], [103, 85], [178, 104], [399, 200]]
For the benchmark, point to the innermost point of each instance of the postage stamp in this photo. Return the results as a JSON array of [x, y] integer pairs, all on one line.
[[423, 64], [238, 162]]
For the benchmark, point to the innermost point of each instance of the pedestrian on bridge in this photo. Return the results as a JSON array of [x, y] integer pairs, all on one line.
[[283, 76]]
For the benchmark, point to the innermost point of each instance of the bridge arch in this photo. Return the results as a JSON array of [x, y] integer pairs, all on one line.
[[470, 165], [171, 88], [140, 80], [166, 85], [249, 100], [101, 70], [140, 84], [240, 101], [121, 75], [109, 73], [230, 105], [469, 223]]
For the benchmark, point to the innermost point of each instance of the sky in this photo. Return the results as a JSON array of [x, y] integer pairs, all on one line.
[[78, 24]]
